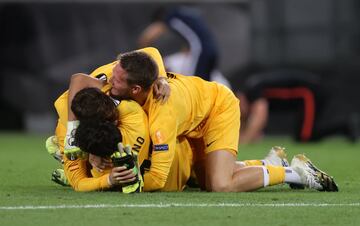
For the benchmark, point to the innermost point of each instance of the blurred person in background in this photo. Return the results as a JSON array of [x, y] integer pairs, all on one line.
[[292, 89], [199, 56]]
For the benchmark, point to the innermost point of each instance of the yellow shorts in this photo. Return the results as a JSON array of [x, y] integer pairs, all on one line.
[[221, 131]]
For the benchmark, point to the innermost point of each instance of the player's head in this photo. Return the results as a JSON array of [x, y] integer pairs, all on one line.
[[92, 104], [134, 74], [97, 137]]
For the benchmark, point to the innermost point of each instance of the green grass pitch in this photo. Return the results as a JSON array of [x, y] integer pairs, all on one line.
[[28, 197]]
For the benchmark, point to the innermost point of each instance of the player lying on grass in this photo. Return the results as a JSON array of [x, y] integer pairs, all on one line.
[[133, 125], [198, 109]]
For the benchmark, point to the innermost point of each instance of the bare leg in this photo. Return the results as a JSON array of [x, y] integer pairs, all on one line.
[[223, 174]]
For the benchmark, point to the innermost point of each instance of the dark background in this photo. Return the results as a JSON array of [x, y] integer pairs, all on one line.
[[43, 43]]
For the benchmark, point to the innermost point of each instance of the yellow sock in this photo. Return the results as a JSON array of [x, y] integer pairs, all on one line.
[[276, 174], [253, 163]]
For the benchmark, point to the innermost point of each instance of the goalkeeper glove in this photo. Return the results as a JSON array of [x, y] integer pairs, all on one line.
[[58, 176], [52, 147], [124, 157]]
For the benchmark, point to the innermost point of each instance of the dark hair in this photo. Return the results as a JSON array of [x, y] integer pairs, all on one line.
[[140, 67], [97, 137], [91, 103]]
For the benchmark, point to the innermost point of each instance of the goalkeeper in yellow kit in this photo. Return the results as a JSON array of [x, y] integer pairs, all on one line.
[[203, 110]]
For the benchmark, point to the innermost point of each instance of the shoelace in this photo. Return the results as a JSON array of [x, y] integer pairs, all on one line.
[[284, 163], [312, 179]]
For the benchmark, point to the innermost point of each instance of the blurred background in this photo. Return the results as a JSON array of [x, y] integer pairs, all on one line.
[[43, 43]]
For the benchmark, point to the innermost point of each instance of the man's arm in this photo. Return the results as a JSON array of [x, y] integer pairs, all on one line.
[[163, 135], [161, 88], [77, 172], [155, 54], [78, 82], [161, 161]]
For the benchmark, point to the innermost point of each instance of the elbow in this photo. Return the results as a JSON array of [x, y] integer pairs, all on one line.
[[154, 187], [77, 77], [76, 187], [160, 186], [153, 183]]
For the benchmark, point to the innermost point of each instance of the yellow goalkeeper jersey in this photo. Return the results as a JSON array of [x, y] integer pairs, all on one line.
[[196, 109]]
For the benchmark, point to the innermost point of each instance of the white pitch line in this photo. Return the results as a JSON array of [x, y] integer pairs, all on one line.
[[169, 205]]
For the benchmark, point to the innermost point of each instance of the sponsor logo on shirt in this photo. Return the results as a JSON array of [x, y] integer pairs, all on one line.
[[161, 147]]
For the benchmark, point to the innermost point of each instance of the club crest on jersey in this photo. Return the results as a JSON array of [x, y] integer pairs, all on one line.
[[159, 137], [161, 147], [170, 75]]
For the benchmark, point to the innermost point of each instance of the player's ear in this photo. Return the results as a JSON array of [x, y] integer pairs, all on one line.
[[136, 89]]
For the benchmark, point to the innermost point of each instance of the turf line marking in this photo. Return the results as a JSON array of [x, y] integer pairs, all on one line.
[[169, 205]]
